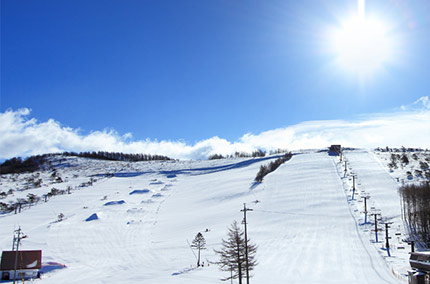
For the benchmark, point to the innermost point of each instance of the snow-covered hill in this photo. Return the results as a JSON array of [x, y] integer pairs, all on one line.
[[306, 224]]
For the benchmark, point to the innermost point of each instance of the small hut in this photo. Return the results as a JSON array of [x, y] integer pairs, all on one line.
[[335, 149], [420, 263], [26, 262]]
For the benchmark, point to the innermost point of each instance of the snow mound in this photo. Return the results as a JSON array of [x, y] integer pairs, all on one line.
[[119, 202], [139, 191], [135, 210], [92, 217], [186, 270], [157, 195], [127, 175], [132, 222]]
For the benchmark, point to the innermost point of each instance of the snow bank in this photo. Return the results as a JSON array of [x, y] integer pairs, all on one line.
[[51, 266]]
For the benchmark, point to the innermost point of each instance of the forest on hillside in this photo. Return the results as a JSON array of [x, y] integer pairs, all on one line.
[[18, 165]]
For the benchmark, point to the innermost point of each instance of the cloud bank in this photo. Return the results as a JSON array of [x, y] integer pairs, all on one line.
[[21, 135]]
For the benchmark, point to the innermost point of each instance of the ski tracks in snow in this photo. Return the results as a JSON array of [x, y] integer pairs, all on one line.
[[323, 243], [379, 270]]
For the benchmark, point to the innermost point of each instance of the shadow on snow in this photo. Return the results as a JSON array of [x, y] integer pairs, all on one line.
[[200, 171]]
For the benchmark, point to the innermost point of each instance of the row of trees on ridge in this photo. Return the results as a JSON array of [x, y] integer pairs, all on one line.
[[254, 154], [117, 156], [18, 165], [272, 166]]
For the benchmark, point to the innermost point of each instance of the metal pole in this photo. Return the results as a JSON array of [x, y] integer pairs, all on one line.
[[353, 186], [353, 182], [376, 227], [387, 242], [365, 209]]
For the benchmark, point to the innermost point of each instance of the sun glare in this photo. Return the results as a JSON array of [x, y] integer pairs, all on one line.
[[361, 44]]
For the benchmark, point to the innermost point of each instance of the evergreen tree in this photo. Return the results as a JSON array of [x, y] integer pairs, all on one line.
[[232, 254], [199, 243]]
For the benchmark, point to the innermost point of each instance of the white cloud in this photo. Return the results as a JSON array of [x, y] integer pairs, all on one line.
[[23, 136], [425, 101], [422, 103]]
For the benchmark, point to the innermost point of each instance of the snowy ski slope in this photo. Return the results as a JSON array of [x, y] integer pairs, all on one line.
[[307, 228]]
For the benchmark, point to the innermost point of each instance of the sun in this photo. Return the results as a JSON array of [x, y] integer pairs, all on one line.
[[362, 44]]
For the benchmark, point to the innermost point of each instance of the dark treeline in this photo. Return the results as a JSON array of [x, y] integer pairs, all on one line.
[[272, 166], [402, 149], [18, 165], [116, 156], [416, 211], [256, 154], [31, 164]]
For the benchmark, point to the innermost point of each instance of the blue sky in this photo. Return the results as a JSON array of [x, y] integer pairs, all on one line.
[[191, 70]]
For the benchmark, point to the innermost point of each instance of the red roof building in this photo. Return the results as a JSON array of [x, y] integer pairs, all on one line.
[[28, 264]]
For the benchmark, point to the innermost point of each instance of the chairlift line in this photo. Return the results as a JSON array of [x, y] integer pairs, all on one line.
[[295, 214], [191, 249]]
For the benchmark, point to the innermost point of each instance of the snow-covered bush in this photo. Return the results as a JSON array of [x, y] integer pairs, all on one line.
[[405, 159], [424, 165], [32, 198]]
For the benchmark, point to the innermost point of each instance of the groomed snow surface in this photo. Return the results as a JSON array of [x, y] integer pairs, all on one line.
[[136, 227]]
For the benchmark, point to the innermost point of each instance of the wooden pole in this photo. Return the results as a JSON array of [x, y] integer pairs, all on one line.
[[246, 242], [18, 238]]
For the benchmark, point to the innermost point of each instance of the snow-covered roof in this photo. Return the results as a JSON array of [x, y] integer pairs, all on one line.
[[27, 259]]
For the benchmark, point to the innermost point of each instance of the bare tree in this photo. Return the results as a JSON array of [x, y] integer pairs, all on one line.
[[416, 211], [232, 255], [199, 243], [272, 166]]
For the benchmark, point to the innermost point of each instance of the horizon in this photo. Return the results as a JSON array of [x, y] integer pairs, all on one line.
[[23, 135]]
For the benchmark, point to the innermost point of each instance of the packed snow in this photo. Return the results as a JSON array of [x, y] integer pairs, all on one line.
[[134, 222]]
